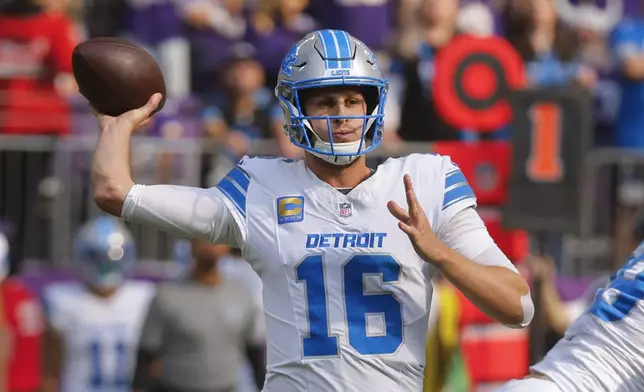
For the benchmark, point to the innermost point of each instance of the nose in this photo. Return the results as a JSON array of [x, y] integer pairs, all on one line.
[[339, 110]]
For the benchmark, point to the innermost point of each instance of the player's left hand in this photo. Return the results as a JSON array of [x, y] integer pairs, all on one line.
[[415, 224]]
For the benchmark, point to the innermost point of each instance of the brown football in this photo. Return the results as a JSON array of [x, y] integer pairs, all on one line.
[[116, 75]]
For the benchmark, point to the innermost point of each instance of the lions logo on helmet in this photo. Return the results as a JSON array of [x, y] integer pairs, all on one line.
[[331, 58], [105, 251]]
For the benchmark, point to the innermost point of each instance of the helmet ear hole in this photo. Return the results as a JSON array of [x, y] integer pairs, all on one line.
[[372, 97]]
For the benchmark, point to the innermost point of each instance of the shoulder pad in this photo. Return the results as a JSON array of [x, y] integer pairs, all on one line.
[[420, 166], [258, 170], [258, 165]]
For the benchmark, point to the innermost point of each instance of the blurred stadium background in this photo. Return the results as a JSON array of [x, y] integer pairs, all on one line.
[[552, 143]]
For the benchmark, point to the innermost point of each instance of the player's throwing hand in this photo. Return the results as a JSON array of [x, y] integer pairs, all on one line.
[[416, 225], [131, 120]]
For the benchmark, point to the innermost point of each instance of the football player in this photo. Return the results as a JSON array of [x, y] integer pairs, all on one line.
[[21, 331], [345, 269], [602, 349], [94, 325]]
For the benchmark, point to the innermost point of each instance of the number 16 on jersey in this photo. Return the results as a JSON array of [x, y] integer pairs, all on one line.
[[358, 305]]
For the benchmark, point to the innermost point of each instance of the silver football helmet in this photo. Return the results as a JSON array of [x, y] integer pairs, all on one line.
[[105, 252], [331, 58]]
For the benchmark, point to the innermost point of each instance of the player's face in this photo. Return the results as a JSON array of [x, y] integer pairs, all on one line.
[[337, 101]]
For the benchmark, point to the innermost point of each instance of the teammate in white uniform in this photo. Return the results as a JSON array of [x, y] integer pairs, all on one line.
[[603, 350], [346, 271], [94, 326]]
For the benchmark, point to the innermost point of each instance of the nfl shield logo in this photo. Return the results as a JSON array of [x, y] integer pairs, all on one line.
[[345, 209]]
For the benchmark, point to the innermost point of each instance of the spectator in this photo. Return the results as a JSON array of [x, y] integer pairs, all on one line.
[[277, 26], [475, 19], [213, 28], [243, 111], [21, 332], [371, 21], [103, 18], [198, 331], [593, 25], [36, 45], [549, 49], [412, 78], [627, 45], [157, 26]]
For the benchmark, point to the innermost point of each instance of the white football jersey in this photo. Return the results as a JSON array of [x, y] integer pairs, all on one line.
[[100, 336], [603, 350], [345, 295]]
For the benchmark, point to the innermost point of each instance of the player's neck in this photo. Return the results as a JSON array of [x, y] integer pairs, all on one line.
[[348, 176]]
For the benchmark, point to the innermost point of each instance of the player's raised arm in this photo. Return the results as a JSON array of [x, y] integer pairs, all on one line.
[[184, 211], [466, 255], [111, 171]]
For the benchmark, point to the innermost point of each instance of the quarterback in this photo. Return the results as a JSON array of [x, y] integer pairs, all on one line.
[[345, 268]]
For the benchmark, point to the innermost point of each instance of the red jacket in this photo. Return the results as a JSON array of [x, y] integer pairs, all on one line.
[[25, 320], [34, 48]]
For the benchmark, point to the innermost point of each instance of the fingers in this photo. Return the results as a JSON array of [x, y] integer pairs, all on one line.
[[141, 114], [397, 211], [409, 230], [136, 117], [412, 202]]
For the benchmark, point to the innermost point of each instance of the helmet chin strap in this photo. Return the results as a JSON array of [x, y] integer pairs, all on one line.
[[342, 160]]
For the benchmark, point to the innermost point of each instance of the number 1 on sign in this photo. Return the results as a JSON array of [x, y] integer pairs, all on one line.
[[544, 162]]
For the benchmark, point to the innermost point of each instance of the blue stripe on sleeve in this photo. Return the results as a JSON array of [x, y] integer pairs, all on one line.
[[456, 194], [454, 178], [240, 176], [235, 186], [456, 188]]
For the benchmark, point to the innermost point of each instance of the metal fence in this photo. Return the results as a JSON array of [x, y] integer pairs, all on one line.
[[45, 191]]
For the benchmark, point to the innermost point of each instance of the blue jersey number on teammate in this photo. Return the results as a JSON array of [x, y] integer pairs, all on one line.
[[99, 380], [358, 304], [625, 290]]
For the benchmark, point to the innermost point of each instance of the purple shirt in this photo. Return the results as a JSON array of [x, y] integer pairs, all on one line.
[[371, 21], [152, 23], [272, 46]]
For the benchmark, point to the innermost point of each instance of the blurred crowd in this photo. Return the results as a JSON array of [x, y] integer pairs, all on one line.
[[226, 55], [221, 59]]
